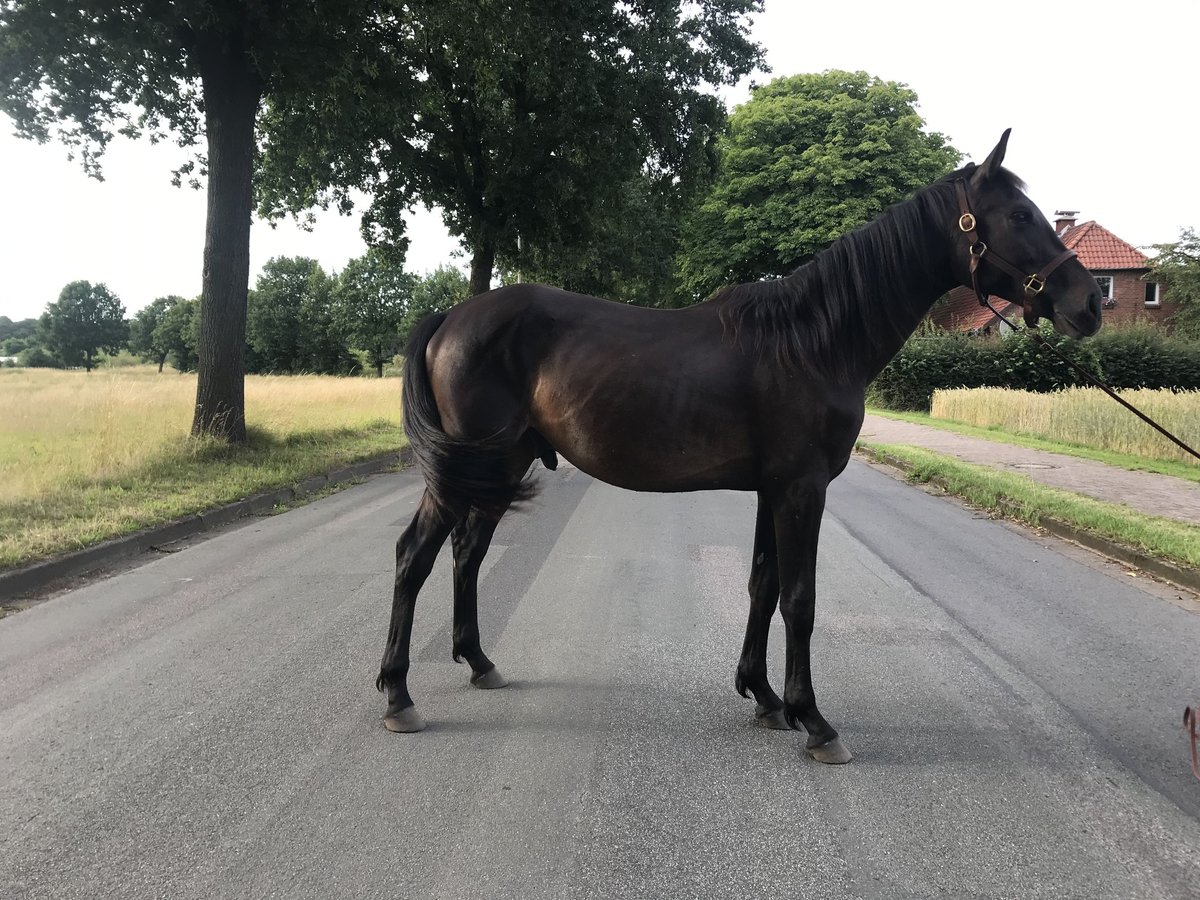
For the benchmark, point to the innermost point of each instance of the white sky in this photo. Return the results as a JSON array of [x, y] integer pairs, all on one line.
[[1102, 99]]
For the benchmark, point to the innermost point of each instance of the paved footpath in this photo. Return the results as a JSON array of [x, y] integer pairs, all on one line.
[[1146, 492]]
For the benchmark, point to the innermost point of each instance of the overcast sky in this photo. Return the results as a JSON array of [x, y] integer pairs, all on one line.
[[1102, 99]]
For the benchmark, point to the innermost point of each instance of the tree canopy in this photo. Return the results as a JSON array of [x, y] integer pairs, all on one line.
[[1177, 265], [145, 337], [528, 115], [806, 159], [433, 292], [371, 298], [292, 326], [85, 319]]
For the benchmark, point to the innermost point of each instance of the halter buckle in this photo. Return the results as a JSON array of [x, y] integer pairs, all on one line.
[[966, 222], [1034, 285]]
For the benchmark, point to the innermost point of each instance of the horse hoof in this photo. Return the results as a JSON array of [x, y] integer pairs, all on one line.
[[489, 680], [832, 753], [770, 718], [404, 721]]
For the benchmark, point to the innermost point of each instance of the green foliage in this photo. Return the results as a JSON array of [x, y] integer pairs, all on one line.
[[1024, 365], [529, 116], [38, 357], [1177, 265], [433, 292], [177, 332], [932, 360], [292, 324], [85, 318], [22, 329], [806, 159], [1144, 355], [1130, 357], [144, 337], [371, 298], [631, 256]]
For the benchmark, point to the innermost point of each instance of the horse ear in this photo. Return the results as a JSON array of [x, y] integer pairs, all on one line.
[[991, 165]]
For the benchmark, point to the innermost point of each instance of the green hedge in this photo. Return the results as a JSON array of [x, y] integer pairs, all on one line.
[[1137, 356]]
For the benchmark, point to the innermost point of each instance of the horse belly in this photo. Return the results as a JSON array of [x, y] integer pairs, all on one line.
[[646, 439]]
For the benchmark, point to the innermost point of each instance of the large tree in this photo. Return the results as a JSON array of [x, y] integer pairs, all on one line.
[[145, 337], [371, 297], [176, 332], [806, 159], [83, 70], [85, 319], [530, 114], [293, 325], [1177, 265], [433, 292]]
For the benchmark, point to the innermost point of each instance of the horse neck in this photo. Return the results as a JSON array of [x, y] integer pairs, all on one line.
[[895, 288]]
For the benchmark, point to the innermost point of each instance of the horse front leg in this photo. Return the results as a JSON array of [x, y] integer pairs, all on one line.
[[797, 513], [416, 552], [764, 597]]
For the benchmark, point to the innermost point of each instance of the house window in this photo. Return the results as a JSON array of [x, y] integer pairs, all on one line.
[[1152, 294], [1106, 291]]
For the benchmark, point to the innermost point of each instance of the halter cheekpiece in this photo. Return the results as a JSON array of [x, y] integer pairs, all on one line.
[[1034, 284]]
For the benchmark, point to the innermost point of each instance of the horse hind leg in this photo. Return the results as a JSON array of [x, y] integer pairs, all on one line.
[[470, 540], [416, 551]]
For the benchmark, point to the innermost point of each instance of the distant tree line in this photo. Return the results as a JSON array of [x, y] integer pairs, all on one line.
[[300, 320]]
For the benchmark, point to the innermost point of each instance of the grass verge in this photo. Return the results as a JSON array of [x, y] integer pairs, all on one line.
[[88, 457], [201, 475], [1020, 498], [1112, 458]]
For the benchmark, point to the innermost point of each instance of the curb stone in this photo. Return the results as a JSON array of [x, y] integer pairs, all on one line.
[[1182, 576], [31, 579]]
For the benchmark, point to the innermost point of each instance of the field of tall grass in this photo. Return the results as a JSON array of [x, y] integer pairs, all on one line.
[[87, 456], [1083, 417]]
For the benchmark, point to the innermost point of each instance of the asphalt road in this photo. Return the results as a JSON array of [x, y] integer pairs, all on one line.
[[206, 725]]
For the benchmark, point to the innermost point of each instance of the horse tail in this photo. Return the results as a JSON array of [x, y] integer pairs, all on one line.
[[459, 473]]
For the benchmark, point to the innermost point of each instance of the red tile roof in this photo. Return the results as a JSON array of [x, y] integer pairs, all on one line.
[[1100, 250], [961, 311]]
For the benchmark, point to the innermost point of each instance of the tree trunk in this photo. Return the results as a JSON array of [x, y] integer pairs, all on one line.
[[482, 262], [379, 368], [232, 90]]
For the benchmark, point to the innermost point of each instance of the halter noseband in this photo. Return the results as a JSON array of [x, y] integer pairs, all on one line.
[[1034, 284]]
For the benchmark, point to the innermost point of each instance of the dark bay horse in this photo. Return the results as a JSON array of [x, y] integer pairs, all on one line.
[[761, 388]]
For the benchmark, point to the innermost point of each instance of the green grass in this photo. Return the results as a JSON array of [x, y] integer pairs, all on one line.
[[1121, 460], [1020, 498]]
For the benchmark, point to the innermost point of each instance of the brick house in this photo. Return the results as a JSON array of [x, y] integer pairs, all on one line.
[[1117, 265]]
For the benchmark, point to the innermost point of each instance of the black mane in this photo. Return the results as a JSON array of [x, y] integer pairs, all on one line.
[[865, 284]]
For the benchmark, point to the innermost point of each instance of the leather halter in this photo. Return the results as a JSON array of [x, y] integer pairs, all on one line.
[[1034, 284]]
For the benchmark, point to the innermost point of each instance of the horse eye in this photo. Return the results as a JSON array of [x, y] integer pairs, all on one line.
[[1021, 217]]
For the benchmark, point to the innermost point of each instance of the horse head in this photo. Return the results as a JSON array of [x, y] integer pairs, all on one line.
[[1009, 250]]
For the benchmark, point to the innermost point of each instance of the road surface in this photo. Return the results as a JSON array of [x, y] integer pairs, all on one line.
[[206, 725]]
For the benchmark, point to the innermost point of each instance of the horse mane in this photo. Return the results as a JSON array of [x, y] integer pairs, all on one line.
[[862, 285]]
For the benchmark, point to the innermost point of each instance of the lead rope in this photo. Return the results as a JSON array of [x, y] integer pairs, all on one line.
[[1190, 717], [1042, 342]]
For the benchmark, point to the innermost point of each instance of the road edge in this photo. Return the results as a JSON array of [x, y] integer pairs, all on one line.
[[19, 584], [1180, 576]]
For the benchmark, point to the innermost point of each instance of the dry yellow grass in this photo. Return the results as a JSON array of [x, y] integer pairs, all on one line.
[[1081, 416], [89, 456], [72, 426]]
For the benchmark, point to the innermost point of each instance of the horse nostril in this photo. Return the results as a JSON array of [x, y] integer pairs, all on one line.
[[1093, 304]]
